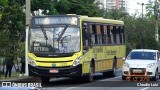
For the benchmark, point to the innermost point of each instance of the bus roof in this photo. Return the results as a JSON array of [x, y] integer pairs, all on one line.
[[90, 19], [98, 19], [101, 19]]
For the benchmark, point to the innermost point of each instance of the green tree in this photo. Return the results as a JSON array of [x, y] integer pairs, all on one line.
[[140, 33], [83, 7], [11, 26], [119, 14], [3, 3], [79, 7], [47, 6]]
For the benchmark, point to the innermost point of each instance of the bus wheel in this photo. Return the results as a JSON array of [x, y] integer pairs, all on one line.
[[89, 78], [114, 69], [45, 79]]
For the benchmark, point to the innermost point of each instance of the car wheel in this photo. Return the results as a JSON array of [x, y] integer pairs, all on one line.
[[155, 78], [123, 77]]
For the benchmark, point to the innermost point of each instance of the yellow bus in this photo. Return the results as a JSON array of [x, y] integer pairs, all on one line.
[[74, 46]]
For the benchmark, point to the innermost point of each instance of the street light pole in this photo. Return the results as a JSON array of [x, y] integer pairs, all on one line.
[[28, 15], [142, 10], [28, 10], [156, 18], [142, 7]]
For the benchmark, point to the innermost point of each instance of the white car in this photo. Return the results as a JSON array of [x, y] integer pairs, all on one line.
[[142, 62]]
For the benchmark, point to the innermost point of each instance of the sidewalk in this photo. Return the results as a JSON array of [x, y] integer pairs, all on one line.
[[15, 77], [20, 78]]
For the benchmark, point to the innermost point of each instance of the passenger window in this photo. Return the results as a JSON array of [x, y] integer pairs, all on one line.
[[109, 34], [94, 36], [99, 34]]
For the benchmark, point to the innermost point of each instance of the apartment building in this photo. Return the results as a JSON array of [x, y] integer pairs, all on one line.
[[114, 4]]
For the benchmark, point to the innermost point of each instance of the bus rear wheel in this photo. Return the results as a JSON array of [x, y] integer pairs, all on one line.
[[114, 68], [45, 79], [113, 72], [89, 78]]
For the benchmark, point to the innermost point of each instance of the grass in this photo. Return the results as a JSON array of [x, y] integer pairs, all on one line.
[[14, 75]]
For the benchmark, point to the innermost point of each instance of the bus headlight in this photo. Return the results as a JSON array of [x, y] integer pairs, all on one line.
[[77, 61], [31, 62]]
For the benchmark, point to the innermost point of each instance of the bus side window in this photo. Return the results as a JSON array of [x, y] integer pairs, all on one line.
[[85, 34], [109, 35], [91, 34], [94, 35], [123, 35], [114, 34], [99, 35], [103, 32], [118, 34]]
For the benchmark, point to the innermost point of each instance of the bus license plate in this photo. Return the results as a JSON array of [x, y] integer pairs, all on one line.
[[53, 71]]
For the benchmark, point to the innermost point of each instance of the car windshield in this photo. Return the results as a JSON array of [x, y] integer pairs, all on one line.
[[65, 39], [142, 55]]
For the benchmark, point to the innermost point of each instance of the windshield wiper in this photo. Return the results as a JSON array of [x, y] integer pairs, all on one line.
[[61, 34], [44, 33]]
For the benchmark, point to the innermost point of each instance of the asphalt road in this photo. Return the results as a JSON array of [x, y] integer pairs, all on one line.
[[100, 83]]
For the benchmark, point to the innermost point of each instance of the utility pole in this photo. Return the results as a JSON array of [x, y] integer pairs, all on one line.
[[142, 7], [28, 16], [156, 19], [142, 10], [122, 4]]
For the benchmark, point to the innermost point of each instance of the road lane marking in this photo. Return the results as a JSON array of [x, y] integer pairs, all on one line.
[[110, 78], [145, 88], [69, 88]]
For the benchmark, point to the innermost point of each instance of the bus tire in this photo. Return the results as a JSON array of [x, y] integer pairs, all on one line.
[[114, 68], [31, 73], [89, 77], [45, 79]]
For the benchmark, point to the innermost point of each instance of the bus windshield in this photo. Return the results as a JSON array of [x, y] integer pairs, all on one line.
[[65, 39]]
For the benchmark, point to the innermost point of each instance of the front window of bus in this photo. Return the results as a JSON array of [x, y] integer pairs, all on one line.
[[54, 40]]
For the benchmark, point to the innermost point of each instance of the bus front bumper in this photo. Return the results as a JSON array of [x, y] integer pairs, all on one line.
[[60, 71]]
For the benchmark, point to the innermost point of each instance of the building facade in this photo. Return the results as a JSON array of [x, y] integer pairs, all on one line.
[[114, 4]]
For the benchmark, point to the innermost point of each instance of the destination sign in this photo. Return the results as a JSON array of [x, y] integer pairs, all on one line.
[[54, 20]]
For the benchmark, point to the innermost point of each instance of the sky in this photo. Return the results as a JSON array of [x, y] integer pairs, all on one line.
[[133, 7]]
